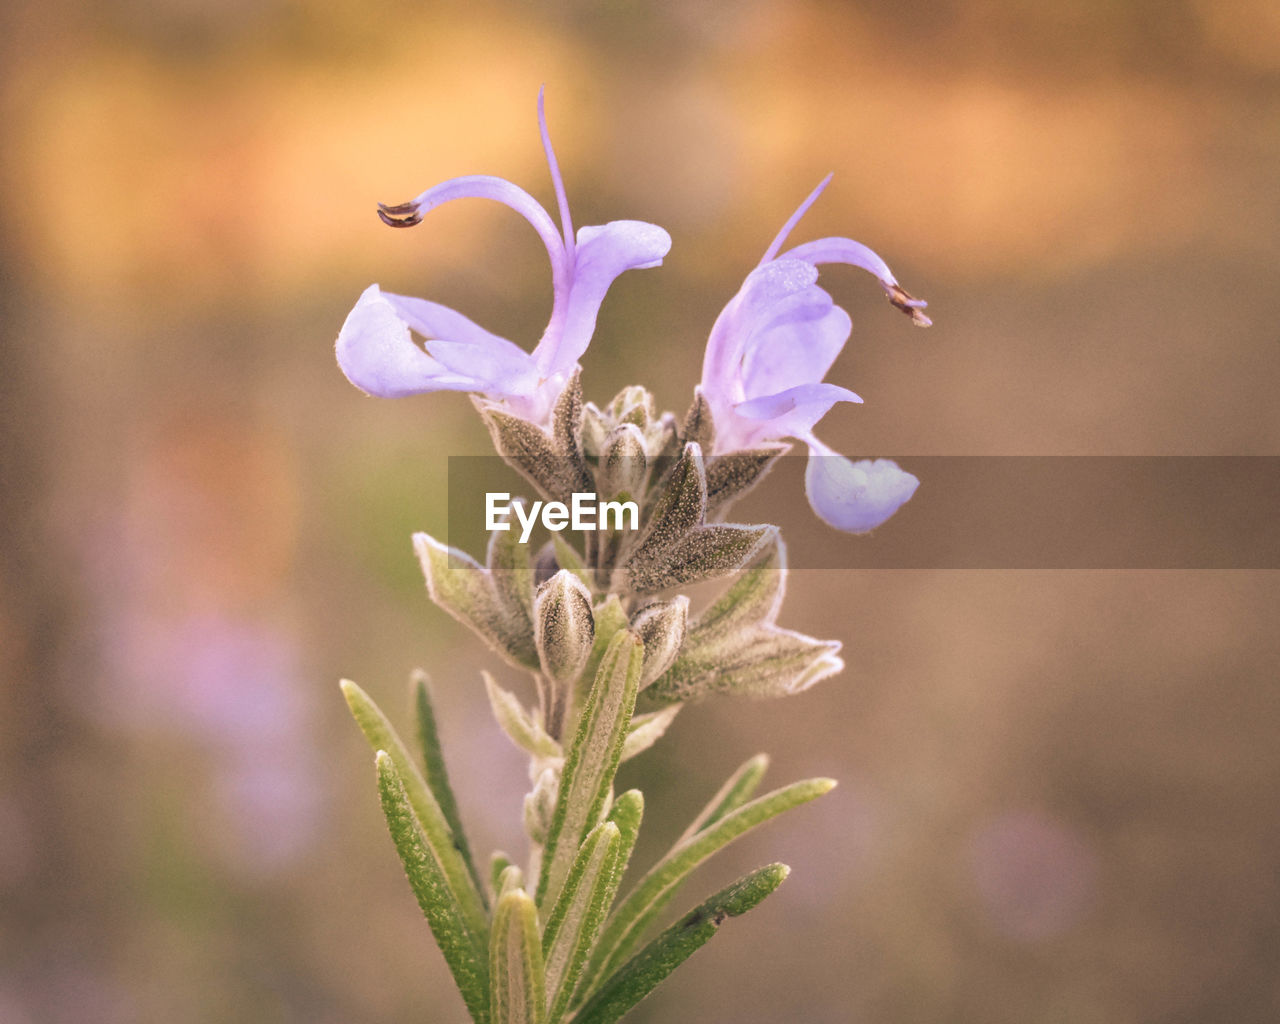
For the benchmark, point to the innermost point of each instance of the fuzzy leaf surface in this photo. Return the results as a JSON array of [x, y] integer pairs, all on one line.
[[463, 948], [627, 924], [518, 992], [640, 975], [592, 760]]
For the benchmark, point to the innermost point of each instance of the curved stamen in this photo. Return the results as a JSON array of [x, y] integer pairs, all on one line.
[[794, 219], [855, 254], [402, 215], [566, 222]]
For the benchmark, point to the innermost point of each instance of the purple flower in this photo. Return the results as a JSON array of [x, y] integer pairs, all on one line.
[[766, 358], [376, 348]]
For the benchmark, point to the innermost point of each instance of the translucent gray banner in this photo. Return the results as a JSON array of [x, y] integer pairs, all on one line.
[[991, 512]]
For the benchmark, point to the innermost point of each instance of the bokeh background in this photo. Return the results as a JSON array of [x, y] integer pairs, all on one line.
[[1059, 789]]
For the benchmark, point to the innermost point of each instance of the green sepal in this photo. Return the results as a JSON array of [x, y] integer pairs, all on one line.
[[731, 476], [437, 776], [640, 975], [438, 834], [464, 949], [510, 567], [627, 924], [579, 912], [567, 557], [551, 460], [517, 985], [592, 760], [459, 585]]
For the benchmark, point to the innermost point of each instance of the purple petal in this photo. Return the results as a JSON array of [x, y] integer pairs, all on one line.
[[379, 356], [844, 250], [855, 496], [790, 413], [603, 253], [466, 348], [759, 296], [804, 397], [795, 350], [794, 219]]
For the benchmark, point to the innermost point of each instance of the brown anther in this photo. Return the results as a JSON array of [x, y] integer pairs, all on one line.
[[913, 307], [402, 215]]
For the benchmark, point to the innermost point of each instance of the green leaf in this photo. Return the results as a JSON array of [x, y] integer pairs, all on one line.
[[517, 992], [739, 788], [609, 618], [647, 729], [437, 777], [463, 948], [627, 924], [592, 760], [627, 812], [575, 921], [639, 976], [436, 830], [517, 723], [498, 863]]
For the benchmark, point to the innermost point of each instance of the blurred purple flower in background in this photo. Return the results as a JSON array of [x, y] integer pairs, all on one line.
[[768, 353], [376, 349], [1035, 875]]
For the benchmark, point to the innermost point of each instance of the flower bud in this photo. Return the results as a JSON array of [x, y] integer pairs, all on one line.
[[564, 627], [624, 465], [661, 628]]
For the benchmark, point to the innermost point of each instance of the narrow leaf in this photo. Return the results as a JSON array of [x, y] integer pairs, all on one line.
[[647, 729], [585, 900], [627, 924], [463, 948], [740, 787], [498, 863], [437, 833], [517, 723], [592, 760], [517, 990], [669, 950], [437, 776]]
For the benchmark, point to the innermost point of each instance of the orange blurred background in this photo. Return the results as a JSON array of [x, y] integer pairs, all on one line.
[[1058, 796]]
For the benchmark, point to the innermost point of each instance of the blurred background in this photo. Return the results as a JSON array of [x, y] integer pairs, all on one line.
[[1058, 789]]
